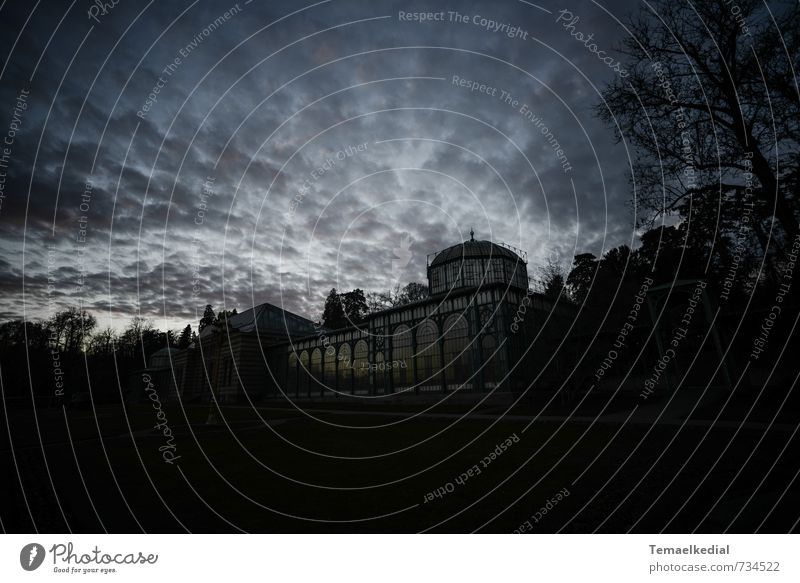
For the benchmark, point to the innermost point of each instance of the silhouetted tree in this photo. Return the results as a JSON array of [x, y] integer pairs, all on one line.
[[398, 296], [377, 301], [140, 339], [700, 114], [666, 257], [208, 317], [35, 335], [553, 280], [104, 342], [169, 338], [345, 309], [411, 292], [333, 314], [72, 328], [12, 334], [355, 307], [185, 338], [224, 315], [580, 277], [617, 264]]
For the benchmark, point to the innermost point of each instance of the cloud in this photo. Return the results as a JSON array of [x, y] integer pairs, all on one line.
[[258, 112]]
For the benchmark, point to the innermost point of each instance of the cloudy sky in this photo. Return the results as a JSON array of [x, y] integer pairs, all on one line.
[[167, 155]]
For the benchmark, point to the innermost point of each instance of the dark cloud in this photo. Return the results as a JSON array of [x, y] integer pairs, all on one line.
[[190, 199]]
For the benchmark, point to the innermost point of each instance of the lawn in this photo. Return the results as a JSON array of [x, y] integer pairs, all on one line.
[[324, 471]]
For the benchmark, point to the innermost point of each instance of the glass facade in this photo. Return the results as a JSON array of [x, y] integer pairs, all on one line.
[[329, 366], [292, 372], [304, 374], [456, 352], [476, 272], [317, 384], [400, 363], [428, 357], [344, 374], [493, 368], [361, 368], [379, 374], [456, 339]]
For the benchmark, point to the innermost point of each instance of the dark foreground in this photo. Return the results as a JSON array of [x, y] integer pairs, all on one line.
[[343, 467]]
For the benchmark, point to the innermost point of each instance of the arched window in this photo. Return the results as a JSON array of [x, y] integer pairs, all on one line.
[[329, 379], [361, 368], [345, 375], [456, 353], [304, 386], [291, 375], [379, 374], [401, 358], [428, 357], [316, 370]]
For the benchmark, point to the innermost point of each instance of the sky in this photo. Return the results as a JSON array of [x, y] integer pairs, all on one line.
[[164, 156]]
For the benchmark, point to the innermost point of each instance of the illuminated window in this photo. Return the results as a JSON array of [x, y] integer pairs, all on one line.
[[428, 360], [330, 368], [316, 369], [361, 368], [345, 369], [379, 372], [456, 352], [401, 358]]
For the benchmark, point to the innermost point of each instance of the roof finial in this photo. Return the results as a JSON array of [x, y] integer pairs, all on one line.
[[471, 234]]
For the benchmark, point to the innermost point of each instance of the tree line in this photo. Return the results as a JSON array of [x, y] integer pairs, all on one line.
[[344, 309], [711, 114], [71, 339], [74, 330]]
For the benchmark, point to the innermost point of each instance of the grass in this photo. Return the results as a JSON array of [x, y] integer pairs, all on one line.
[[337, 474]]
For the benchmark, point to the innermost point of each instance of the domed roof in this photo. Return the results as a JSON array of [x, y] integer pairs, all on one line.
[[472, 249], [165, 352], [161, 358]]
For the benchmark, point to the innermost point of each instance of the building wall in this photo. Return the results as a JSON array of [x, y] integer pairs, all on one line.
[[466, 338], [476, 271], [459, 343]]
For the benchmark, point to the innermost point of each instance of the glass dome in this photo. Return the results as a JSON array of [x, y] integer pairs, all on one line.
[[475, 264]]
